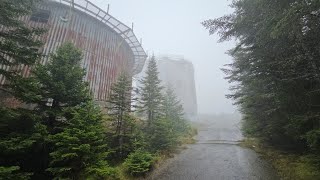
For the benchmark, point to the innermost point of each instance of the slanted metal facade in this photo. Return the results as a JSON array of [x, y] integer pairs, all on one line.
[[109, 47]]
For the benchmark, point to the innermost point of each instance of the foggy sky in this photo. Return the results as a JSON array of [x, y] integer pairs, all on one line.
[[173, 27]]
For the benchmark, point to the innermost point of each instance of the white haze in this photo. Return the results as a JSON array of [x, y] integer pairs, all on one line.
[[173, 27]]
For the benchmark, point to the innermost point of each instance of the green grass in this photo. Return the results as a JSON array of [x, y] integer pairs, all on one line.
[[289, 166]]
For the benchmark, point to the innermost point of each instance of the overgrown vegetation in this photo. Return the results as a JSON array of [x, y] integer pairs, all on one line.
[[58, 132], [65, 135], [290, 164], [275, 71]]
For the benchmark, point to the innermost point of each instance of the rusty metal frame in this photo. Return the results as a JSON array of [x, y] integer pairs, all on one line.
[[124, 31]]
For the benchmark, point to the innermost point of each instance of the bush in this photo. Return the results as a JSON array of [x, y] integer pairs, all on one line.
[[103, 171], [162, 136], [313, 139], [12, 172], [139, 163]]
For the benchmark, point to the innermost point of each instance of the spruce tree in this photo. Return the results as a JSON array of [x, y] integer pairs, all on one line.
[[150, 92], [174, 111], [275, 69], [80, 149], [172, 106], [62, 79], [161, 135], [20, 129], [76, 141], [119, 106], [21, 137], [51, 88], [56, 85]]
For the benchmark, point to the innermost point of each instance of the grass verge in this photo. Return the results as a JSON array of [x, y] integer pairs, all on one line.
[[290, 166]]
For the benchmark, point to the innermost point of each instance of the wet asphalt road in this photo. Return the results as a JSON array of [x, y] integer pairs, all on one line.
[[216, 156]]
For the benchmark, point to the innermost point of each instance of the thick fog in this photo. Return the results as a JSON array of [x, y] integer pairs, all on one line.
[[173, 27]]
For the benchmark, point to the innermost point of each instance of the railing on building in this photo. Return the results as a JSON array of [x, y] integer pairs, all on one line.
[[124, 31]]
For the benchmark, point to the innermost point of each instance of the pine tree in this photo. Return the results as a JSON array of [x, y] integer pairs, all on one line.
[[119, 106], [150, 92], [80, 149], [18, 45]]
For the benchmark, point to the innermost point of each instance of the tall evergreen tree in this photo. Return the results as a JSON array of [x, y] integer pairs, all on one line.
[[20, 130], [275, 68], [150, 92], [62, 78], [119, 106], [51, 89], [56, 85]]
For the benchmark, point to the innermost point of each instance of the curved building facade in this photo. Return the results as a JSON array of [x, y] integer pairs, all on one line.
[[109, 47]]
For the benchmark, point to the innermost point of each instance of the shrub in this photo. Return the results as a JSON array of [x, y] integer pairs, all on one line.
[[103, 171], [139, 163], [162, 136], [12, 172]]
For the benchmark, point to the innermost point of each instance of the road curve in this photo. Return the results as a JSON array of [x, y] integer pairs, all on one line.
[[216, 156]]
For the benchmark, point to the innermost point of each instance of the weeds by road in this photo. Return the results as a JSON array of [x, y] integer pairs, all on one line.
[[290, 166]]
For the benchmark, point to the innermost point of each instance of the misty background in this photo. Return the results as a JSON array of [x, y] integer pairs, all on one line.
[[173, 27]]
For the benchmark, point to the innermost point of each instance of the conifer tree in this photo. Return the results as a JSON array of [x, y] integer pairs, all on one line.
[[174, 111], [21, 135], [56, 85], [52, 88], [18, 45], [80, 149], [119, 106], [150, 92], [161, 135], [62, 78], [20, 129], [172, 106], [275, 69]]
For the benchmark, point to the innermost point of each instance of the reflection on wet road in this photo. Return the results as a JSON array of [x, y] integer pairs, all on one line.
[[216, 156]]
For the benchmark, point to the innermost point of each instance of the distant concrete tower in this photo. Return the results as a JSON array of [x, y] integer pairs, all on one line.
[[179, 74]]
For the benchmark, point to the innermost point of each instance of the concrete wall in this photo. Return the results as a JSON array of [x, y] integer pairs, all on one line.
[[179, 74]]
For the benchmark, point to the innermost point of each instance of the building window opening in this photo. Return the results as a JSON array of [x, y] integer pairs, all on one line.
[[41, 16]]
